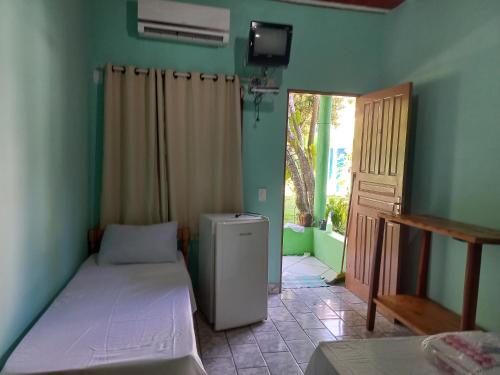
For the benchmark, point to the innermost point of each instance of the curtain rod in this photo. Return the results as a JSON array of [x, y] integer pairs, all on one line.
[[120, 68]]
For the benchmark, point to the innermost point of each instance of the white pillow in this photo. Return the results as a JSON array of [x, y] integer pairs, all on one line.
[[125, 244]]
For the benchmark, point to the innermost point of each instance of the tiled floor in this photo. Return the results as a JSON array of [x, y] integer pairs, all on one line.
[[298, 320], [310, 266]]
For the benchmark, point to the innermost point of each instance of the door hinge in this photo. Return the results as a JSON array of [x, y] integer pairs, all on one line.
[[396, 206]]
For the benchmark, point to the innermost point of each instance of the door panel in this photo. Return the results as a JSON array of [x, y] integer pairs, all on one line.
[[378, 166]]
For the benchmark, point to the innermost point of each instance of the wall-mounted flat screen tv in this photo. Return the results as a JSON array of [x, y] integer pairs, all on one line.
[[269, 44]]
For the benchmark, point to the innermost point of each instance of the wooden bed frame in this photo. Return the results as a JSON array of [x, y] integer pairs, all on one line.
[[183, 235]]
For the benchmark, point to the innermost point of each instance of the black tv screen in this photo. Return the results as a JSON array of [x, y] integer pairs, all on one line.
[[269, 44]]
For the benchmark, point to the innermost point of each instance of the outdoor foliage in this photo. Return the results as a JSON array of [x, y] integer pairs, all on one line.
[[337, 207], [300, 150], [302, 118]]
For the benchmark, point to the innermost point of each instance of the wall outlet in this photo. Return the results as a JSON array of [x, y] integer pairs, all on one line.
[[97, 76], [262, 195]]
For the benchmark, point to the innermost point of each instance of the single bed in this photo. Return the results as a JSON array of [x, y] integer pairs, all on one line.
[[387, 356], [126, 319]]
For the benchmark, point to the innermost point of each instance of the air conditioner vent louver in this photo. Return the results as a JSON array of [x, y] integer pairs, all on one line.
[[183, 22], [182, 34]]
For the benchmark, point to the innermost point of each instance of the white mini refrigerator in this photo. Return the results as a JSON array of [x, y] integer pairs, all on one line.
[[233, 269]]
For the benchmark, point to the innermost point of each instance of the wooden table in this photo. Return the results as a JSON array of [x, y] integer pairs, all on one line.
[[417, 312]]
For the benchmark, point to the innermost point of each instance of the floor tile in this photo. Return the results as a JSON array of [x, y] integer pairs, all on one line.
[[288, 294], [240, 336], [291, 331], [270, 342], [205, 329], [349, 314], [301, 350], [361, 308], [247, 355], [296, 306], [282, 364], [351, 298], [214, 346], [352, 318], [399, 334], [305, 269], [303, 367], [308, 320], [322, 292], [323, 311], [280, 314], [362, 332], [329, 275], [253, 371], [337, 289], [219, 366], [264, 326], [274, 300], [352, 337], [311, 301], [290, 260], [318, 335], [337, 304], [298, 320], [338, 327]]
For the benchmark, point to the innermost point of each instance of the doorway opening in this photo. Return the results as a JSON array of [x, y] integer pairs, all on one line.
[[318, 160]]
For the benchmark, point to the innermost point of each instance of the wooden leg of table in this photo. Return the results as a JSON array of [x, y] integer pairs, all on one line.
[[375, 275], [425, 250], [471, 286]]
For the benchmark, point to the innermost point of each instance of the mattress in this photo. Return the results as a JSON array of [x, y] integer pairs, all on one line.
[[388, 356], [126, 319]]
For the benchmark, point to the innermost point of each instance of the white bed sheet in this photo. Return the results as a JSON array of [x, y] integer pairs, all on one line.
[[387, 356], [127, 319]]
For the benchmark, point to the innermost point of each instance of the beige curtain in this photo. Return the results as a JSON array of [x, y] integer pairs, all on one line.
[[172, 147]]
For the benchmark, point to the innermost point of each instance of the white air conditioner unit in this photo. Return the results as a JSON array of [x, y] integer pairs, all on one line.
[[183, 22]]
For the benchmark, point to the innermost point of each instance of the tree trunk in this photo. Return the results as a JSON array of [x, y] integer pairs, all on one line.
[[295, 139], [312, 127], [298, 184]]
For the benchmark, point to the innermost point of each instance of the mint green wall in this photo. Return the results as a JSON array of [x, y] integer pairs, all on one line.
[[451, 51], [43, 156], [332, 50], [328, 248], [296, 243]]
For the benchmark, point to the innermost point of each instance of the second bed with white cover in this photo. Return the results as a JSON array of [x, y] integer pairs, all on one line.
[[380, 356], [125, 319]]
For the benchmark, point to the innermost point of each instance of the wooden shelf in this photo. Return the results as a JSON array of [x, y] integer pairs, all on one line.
[[421, 315], [460, 231]]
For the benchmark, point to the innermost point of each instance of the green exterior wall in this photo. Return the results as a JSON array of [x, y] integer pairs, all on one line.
[[322, 148], [324, 57], [328, 247], [295, 243], [324, 245], [451, 51], [44, 159]]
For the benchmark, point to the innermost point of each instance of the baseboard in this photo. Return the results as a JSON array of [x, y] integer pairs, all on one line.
[[273, 288]]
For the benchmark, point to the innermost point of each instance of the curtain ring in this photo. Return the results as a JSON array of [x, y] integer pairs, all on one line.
[[216, 78]]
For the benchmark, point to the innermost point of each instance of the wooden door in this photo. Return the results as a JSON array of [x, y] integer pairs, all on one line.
[[378, 167]]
